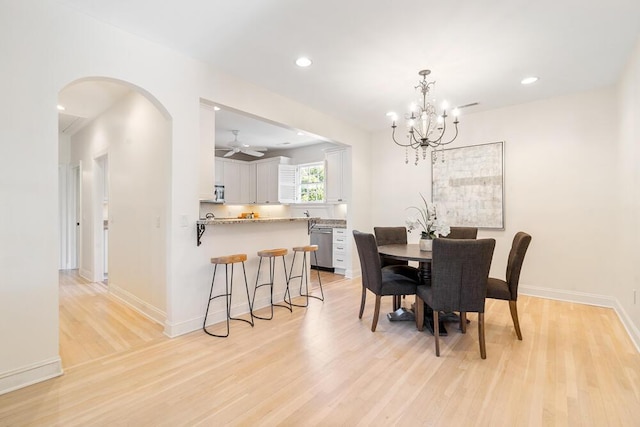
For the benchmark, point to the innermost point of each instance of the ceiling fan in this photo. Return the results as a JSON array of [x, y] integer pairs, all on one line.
[[236, 146]]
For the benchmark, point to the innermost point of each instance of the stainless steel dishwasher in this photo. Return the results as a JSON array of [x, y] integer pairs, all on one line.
[[323, 237]]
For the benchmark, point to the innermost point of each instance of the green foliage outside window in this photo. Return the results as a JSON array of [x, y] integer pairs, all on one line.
[[312, 183]]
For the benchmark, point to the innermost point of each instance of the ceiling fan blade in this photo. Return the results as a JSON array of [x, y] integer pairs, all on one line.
[[230, 153], [252, 152]]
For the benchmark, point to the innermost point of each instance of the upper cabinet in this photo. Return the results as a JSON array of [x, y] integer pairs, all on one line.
[[238, 178], [337, 176], [207, 151], [267, 179]]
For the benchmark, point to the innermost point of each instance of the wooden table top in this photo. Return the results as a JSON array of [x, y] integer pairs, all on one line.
[[406, 252]]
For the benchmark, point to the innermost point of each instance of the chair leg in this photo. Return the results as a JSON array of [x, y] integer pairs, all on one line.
[[362, 301], [463, 322], [419, 313], [396, 302], [514, 315], [483, 348], [376, 313], [436, 331]]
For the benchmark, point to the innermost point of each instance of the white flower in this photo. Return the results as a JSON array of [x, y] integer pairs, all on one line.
[[432, 226]]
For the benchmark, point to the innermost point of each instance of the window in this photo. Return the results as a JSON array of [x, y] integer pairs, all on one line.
[[311, 182]]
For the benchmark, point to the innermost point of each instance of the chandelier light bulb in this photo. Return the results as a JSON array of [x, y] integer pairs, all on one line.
[[456, 112], [445, 105]]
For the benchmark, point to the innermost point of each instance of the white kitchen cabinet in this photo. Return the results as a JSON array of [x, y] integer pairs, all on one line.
[[267, 179], [248, 183], [238, 178], [207, 151], [337, 175], [340, 250], [219, 171], [232, 181]]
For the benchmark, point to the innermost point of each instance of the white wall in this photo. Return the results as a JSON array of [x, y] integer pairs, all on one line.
[[46, 46], [626, 278], [136, 137], [560, 163]]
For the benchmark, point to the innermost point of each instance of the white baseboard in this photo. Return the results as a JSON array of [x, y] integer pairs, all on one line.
[[589, 299], [29, 375], [142, 307]]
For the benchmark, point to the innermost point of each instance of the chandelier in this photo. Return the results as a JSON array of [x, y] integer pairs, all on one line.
[[425, 127]]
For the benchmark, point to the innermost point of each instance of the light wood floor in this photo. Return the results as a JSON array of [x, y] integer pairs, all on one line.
[[323, 366]]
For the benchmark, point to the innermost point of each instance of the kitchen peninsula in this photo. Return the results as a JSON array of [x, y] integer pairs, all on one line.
[[227, 236], [201, 224]]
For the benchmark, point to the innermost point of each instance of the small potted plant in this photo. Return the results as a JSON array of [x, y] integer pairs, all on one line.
[[427, 220]]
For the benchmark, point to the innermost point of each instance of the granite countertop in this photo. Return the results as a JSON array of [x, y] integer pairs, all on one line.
[[333, 223], [216, 221]]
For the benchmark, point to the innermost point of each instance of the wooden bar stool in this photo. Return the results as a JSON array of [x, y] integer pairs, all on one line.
[[271, 255], [304, 275], [227, 261]]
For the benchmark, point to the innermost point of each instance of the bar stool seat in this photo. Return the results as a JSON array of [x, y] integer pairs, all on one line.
[[271, 255], [227, 261], [307, 249]]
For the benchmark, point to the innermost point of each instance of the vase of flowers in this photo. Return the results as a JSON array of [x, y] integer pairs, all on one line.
[[428, 220]]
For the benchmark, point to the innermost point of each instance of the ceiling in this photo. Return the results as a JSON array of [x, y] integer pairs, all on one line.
[[367, 53]]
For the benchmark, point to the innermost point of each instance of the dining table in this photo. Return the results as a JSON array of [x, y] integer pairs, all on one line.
[[412, 252]]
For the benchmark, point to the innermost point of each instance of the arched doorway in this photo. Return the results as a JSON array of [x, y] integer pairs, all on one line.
[[115, 147]]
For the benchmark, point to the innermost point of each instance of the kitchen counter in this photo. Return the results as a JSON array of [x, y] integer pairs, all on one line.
[[330, 223], [216, 221], [202, 223]]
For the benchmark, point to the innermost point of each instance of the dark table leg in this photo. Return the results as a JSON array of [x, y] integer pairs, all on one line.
[[425, 277]]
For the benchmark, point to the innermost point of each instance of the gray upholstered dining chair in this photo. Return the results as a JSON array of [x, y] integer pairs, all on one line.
[[508, 289], [462, 233], [380, 281], [390, 236], [459, 273]]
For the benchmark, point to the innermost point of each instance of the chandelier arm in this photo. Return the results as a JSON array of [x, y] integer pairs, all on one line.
[[444, 128], [393, 136], [454, 136], [418, 141]]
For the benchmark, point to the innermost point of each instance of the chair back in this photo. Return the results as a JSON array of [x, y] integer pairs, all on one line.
[[462, 233], [459, 273], [390, 236], [514, 264], [369, 261]]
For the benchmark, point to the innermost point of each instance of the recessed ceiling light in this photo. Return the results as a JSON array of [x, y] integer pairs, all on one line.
[[300, 133], [216, 108], [529, 80], [61, 107], [303, 61]]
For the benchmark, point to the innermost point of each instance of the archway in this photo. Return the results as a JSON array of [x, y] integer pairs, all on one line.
[[128, 200]]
